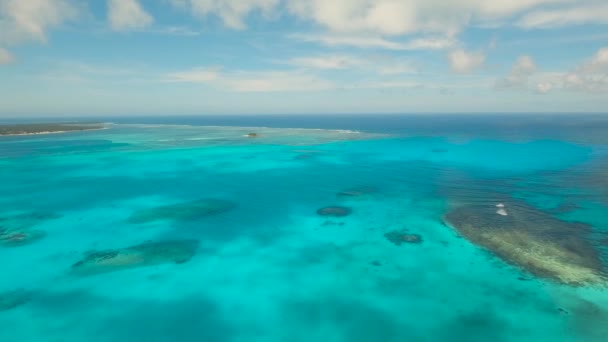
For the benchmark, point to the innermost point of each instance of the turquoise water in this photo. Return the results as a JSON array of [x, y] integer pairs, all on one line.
[[268, 267]]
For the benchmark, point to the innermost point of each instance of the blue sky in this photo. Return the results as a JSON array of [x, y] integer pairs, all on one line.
[[164, 57]]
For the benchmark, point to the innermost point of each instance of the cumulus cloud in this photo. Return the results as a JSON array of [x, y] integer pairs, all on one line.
[[5, 56], [127, 15], [231, 12], [520, 74], [375, 42], [380, 17], [464, 62], [195, 76], [590, 76], [398, 17], [327, 62], [544, 87], [379, 64], [597, 14], [22, 20]]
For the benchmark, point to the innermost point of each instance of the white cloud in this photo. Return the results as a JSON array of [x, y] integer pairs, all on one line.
[[597, 14], [544, 87], [231, 12], [177, 31], [253, 81], [375, 42], [326, 62], [379, 17], [22, 20], [590, 76], [520, 73], [127, 15], [397, 17], [195, 76], [464, 62], [379, 64], [5, 57]]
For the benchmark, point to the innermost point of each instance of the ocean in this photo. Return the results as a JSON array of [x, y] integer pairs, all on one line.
[[307, 228]]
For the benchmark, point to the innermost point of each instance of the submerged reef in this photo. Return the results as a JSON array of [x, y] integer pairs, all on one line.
[[14, 238], [12, 299], [183, 211], [16, 230], [532, 239], [356, 192], [399, 237], [334, 211], [146, 254]]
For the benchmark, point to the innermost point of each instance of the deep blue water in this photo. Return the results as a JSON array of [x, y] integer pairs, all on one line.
[[168, 229]]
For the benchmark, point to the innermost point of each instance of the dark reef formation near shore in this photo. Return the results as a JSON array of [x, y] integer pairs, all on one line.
[[13, 299], [17, 230], [183, 211], [532, 239], [334, 211], [142, 255], [399, 237]]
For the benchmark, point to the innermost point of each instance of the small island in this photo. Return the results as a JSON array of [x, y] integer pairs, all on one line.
[[47, 128]]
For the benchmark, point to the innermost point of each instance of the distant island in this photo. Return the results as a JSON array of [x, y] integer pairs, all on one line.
[[47, 128]]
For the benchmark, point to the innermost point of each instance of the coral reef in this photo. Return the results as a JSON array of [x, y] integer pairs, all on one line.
[[183, 211], [356, 192], [16, 230], [146, 254], [14, 238], [533, 240], [334, 211], [399, 237], [12, 299]]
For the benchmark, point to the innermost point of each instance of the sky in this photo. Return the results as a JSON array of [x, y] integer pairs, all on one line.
[[183, 57]]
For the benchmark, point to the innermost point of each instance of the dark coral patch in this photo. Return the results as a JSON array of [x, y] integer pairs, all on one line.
[[14, 238], [334, 211], [142, 255], [399, 237], [16, 230], [533, 240], [183, 211], [356, 192], [12, 299]]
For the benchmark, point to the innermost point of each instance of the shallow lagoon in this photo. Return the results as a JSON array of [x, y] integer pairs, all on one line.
[[269, 268]]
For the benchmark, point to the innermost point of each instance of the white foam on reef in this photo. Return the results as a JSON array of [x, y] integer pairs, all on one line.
[[346, 131], [502, 212], [500, 205]]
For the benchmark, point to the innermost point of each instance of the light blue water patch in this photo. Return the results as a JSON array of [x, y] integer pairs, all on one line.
[[270, 268]]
